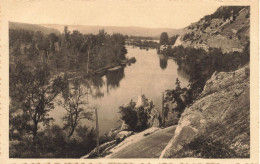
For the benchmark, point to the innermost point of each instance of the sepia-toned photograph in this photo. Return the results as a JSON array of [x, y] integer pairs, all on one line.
[[121, 80]]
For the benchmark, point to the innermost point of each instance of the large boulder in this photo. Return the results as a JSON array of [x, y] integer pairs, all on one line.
[[154, 118], [221, 114], [124, 126], [103, 150], [113, 132], [142, 101], [123, 134]]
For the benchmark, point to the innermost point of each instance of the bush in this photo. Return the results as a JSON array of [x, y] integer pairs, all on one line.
[[136, 119], [129, 116], [142, 119], [53, 143], [205, 147], [188, 36]]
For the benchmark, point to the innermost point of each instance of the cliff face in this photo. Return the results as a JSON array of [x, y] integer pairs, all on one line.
[[227, 28], [217, 124]]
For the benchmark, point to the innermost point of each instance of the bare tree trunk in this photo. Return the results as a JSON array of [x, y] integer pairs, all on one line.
[[71, 132], [35, 129], [163, 111], [88, 61], [97, 131]]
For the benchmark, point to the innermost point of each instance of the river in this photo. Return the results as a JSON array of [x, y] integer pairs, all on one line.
[[150, 75]]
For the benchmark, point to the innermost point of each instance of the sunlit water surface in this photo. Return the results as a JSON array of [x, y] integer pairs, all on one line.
[[150, 75]]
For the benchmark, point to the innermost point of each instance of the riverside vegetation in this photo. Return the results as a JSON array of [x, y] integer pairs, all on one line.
[[200, 65], [212, 113], [214, 120], [206, 122], [44, 67]]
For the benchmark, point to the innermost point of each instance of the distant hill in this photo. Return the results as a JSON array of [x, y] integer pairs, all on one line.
[[33, 27], [227, 28], [86, 29], [134, 31]]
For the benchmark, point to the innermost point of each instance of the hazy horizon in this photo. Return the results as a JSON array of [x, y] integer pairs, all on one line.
[[51, 24], [153, 14]]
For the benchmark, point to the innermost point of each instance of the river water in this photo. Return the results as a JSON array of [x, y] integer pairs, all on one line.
[[150, 75]]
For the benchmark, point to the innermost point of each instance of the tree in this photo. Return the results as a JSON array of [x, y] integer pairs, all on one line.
[[53, 39], [142, 119], [164, 38], [163, 62], [101, 37], [177, 85], [129, 115], [75, 106], [33, 92], [173, 39], [66, 34], [89, 41]]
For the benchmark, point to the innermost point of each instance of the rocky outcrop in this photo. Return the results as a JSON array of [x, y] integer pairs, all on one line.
[[174, 103], [220, 114], [103, 149], [125, 132], [227, 28], [153, 114]]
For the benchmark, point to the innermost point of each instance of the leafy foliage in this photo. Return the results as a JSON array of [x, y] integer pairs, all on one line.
[[188, 36], [200, 65], [206, 147], [164, 38], [135, 118], [37, 65], [143, 44], [67, 52], [173, 39], [53, 143], [75, 106], [33, 93], [129, 115]]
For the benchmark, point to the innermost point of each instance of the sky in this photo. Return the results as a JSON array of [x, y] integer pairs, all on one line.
[[142, 13]]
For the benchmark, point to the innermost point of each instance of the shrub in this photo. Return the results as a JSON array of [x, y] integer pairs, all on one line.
[[142, 119], [129, 116], [206, 147], [53, 143], [188, 36], [136, 119]]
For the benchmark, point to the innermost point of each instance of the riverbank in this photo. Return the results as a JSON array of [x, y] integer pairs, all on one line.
[[217, 122], [113, 67], [139, 119]]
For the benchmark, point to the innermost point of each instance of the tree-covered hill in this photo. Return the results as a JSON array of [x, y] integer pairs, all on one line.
[[130, 31], [33, 27]]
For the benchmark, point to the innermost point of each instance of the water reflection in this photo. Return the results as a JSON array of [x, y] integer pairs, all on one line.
[[151, 74], [111, 80], [94, 84], [114, 77], [163, 61], [183, 70]]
